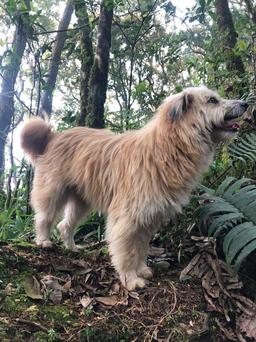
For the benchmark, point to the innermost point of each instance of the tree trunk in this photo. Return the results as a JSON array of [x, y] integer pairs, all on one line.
[[226, 26], [86, 59], [9, 79], [251, 9], [99, 73], [46, 101]]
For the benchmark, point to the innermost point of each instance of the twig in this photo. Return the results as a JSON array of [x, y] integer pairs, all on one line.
[[38, 325]]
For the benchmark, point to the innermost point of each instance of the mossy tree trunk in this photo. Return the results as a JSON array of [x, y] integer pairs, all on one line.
[[226, 27], [99, 73], [251, 7], [86, 56], [9, 79]]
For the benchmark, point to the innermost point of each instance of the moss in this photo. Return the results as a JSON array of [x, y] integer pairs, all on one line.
[[58, 313], [40, 336], [12, 306], [96, 334]]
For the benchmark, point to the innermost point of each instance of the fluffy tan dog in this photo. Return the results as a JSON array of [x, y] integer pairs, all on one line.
[[136, 178]]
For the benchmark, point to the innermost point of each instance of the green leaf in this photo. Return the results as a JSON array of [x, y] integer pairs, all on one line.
[[246, 236], [244, 149], [234, 233], [224, 185], [232, 211], [222, 220], [248, 249]]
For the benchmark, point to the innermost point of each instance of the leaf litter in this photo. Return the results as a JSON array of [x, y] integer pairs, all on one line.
[[81, 296], [236, 314]]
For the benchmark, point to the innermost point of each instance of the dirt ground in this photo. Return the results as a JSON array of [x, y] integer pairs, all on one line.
[[56, 295]]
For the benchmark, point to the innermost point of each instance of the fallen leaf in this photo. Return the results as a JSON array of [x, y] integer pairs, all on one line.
[[56, 296], [86, 301], [67, 286], [80, 263], [134, 295], [229, 334], [109, 301], [247, 324], [32, 287], [59, 266], [186, 271], [52, 283], [156, 251]]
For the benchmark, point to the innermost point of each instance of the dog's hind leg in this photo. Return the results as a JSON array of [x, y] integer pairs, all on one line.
[[128, 245], [75, 210], [46, 206]]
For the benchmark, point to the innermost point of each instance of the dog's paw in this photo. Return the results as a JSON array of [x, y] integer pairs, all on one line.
[[145, 272], [131, 281], [43, 243], [138, 282]]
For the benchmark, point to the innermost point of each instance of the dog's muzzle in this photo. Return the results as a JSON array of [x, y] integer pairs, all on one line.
[[233, 115]]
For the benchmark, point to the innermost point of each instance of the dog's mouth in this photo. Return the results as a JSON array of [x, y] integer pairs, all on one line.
[[230, 126], [233, 118]]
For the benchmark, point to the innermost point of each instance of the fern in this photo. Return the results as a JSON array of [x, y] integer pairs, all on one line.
[[244, 149], [230, 211]]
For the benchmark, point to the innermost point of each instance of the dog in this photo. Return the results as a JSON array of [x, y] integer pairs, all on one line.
[[137, 178]]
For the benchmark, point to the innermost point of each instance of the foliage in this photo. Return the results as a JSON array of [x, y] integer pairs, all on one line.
[[229, 213], [244, 149]]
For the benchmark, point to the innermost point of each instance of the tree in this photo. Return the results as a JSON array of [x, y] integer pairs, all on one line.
[[10, 74], [144, 64], [94, 66], [251, 10], [86, 58], [226, 27], [46, 101]]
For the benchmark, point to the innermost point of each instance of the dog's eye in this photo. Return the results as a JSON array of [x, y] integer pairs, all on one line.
[[212, 100]]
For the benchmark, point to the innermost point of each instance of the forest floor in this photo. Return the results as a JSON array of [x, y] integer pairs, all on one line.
[[56, 295]]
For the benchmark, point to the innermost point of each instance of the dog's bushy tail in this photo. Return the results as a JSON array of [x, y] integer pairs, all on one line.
[[35, 136]]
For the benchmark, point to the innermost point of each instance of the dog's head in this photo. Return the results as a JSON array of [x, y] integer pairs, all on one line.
[[203, 109]]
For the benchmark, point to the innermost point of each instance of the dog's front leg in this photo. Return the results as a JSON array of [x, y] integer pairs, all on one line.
[[128, 245]]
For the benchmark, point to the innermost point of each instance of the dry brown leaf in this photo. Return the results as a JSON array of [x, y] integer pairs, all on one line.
[[249, 306], [80, 263], [134, 295], [56, 296], [60, 266], [67, 286], [32, 287], [155, 251], [86, 301], [227, 332], [109, 301], [247, 325], [51, 282], [186, 272]]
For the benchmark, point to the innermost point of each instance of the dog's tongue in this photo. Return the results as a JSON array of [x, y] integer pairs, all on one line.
[[234, 125]]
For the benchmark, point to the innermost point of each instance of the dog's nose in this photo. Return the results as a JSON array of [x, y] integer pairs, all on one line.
[[244, 104]]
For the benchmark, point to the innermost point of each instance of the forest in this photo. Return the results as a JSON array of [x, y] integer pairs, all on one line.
[[109, 64]]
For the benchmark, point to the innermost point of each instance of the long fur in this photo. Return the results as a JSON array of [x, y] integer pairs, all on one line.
[[136, 178]]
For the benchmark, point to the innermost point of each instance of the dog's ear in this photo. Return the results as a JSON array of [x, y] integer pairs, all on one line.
[[180, 106]]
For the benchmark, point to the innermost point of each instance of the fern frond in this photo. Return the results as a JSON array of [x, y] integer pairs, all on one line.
[[232, 210], [244, 149]]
